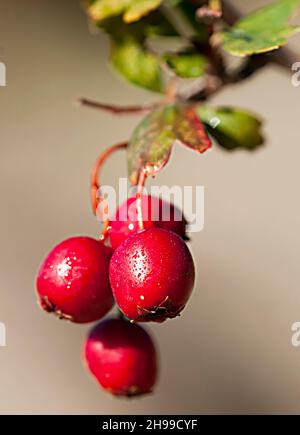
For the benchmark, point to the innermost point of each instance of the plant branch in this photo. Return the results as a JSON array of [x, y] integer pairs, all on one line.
[[114, 109], [284, 57], [217, 78], [213, 83]]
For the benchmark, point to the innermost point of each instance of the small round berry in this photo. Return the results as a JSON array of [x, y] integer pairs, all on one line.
[[122, 357], [156, 213], [73, 281], [152, 275]]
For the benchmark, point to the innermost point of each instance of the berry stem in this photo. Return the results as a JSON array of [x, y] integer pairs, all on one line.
[[139, 196], [95, 186]]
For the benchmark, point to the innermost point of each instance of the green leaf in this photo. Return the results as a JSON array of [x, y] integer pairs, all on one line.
[[129, 53], [152, 140], [136, 64], [131, 10], [154, 24], [187, 64], [140, 8], [263, 30], [151, 143], [231, 127]]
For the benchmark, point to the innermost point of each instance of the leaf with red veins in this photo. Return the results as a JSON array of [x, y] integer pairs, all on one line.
[[153, 139]]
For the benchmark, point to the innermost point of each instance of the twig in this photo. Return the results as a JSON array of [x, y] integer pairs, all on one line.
[[116, 110], [217, 78], [283, 57]]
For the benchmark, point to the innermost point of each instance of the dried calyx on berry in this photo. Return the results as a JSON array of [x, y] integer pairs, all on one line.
[[152, 275]]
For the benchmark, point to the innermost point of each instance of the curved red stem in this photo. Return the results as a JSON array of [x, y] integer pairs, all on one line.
[[139, 196], [95, 186]]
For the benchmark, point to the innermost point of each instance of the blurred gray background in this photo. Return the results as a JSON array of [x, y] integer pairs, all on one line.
[[231, 349]]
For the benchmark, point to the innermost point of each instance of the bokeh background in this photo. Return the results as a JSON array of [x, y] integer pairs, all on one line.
[[231, 351]]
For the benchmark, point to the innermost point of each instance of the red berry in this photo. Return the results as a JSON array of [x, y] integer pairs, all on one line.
[[152, 275], [73, 281], [156, 213], [122, 357]]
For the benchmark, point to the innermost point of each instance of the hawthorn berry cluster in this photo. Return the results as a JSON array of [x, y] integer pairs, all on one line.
[[142, 264], [141, 261]]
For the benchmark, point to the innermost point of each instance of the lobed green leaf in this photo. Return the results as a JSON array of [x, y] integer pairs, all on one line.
[[231, 127], [263, 30], [152, 141]]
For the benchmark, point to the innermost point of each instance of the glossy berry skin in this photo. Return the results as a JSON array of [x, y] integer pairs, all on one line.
[[156, 213], [152, 275], [122, 357], [73, 281]]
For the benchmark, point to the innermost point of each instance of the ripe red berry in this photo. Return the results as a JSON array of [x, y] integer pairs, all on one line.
[[152, 275], [156, 213], [122, 357], [73, 281]]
